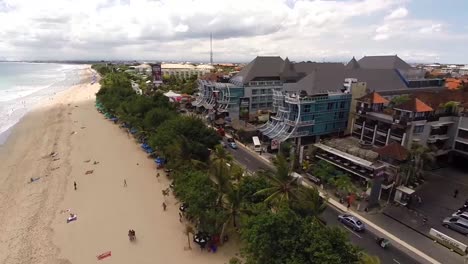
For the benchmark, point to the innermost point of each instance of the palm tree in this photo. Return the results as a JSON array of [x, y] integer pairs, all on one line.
[[232, 205], [419, 156], [284, 187], [221, 171], [309, 203], [187, 231]]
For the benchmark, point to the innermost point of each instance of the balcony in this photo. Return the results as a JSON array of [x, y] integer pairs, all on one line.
[[283, 109], [277, 118], [300, 134], [292, 100]]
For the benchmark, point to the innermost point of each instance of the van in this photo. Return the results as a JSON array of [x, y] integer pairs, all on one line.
[[256, 143], [456, 223]]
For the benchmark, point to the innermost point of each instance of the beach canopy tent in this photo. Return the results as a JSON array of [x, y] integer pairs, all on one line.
[[174, 97]]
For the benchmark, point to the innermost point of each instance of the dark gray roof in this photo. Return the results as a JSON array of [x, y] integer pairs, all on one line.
[[353, 64], [383, 62], [324, 79], [288, 72], [261, 66], [378, 79]]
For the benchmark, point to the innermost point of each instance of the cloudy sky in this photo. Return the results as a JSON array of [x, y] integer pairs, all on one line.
[[332, 30]]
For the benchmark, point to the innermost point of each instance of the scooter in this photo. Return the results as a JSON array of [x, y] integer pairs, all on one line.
[[382, 242]]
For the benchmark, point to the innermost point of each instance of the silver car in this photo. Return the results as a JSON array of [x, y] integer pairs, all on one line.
[[456, 223], [352, 221], [463, 215]]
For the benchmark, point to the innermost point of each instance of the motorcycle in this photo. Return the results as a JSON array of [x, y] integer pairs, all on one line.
[[382, 242]]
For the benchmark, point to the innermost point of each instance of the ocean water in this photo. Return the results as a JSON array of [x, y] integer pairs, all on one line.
[[24, 85]]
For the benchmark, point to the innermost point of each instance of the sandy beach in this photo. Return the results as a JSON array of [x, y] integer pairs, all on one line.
[[33, 228]]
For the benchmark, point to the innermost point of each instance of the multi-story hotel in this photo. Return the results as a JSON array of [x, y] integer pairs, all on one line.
[[308, 99]]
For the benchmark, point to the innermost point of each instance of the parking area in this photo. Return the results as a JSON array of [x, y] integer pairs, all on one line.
[[438, 201]]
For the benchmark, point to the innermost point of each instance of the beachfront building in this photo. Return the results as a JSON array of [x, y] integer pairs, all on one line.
[[261, 77], [222, 97], [185, 70], [300, 114], [430, 119]]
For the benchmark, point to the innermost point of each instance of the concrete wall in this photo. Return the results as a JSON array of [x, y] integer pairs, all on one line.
[[358, 90]]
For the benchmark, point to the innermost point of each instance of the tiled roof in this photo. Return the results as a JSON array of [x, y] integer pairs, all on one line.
[[373, 98], [394, 151], [352, 64], [414, 105], [436, 99], [383, 62], [261, 66]]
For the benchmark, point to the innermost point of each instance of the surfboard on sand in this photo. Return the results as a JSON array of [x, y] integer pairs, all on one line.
[[104, 255]]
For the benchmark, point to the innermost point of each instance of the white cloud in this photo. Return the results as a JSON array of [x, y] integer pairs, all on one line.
[[180, 29], [398, 13], [431, 29]]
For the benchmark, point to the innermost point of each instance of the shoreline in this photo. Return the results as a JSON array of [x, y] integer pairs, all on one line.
[[32, 229], [83, 78]]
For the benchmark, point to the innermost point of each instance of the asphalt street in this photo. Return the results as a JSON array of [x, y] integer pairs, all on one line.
[[365, 240]]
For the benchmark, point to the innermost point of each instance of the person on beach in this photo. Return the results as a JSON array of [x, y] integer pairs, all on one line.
[[455, 193], [164, 206], [74, 185], [125, 183], [180, 217]]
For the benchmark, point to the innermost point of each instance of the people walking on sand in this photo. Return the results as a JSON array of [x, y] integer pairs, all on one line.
[[125, 183], [455, 193], [74, 185], [180, 217], [164, 206]]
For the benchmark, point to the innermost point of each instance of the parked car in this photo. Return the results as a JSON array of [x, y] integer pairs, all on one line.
[[222, 144], [456, 223], [230, 139], [463, 215], [352, 221], [233, 145]]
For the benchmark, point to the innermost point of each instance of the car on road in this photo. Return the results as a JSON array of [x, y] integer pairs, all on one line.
[[352, 222], [456, 223], [233, 145]]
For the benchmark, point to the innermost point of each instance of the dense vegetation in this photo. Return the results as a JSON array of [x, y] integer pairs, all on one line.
[[276, 218]]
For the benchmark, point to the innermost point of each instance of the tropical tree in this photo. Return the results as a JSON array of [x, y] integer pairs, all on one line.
[[368, 259], [220, 170], [187, 231], [310, 204], [283, 187], [343, 184], [284, 237], [420, 156], [324, 171]]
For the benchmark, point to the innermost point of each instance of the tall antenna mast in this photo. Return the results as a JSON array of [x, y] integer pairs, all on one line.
[[211, 48]]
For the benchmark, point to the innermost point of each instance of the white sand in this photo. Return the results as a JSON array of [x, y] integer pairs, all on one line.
[[32, 229]]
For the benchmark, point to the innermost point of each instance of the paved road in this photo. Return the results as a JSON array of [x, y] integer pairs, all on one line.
[[365, 240], [247, 159]]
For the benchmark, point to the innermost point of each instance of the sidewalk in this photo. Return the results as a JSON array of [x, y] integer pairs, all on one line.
[[422, 248]]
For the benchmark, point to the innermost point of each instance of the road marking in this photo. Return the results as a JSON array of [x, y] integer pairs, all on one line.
[[352, 232], [396, 261]]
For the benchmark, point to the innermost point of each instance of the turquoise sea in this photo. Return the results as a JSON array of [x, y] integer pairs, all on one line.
[[24, 85]]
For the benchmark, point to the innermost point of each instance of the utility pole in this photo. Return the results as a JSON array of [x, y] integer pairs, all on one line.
[[211, 49]]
